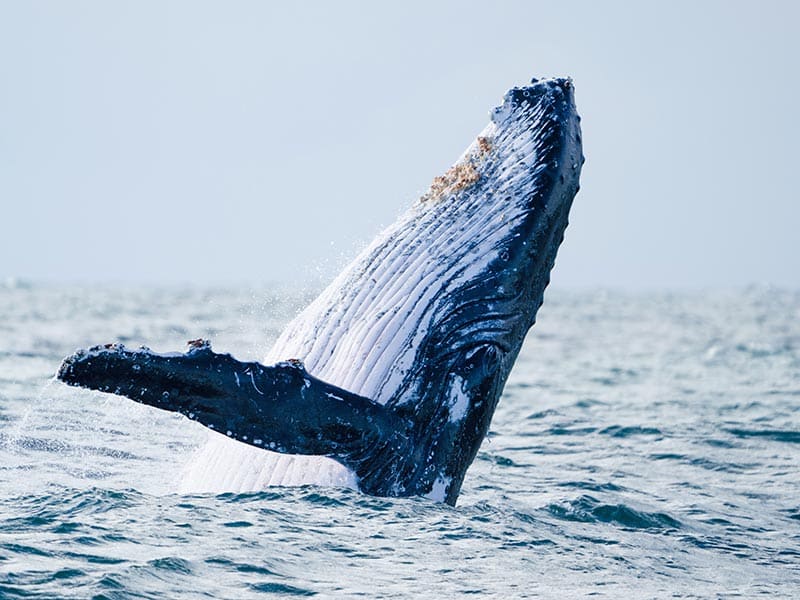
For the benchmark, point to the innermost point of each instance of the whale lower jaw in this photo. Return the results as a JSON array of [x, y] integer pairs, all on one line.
[[225, 465]]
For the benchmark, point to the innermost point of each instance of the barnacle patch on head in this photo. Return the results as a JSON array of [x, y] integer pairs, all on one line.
[[461, 175]]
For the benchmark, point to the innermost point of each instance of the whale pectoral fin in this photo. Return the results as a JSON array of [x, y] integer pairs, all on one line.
[[280, 407]]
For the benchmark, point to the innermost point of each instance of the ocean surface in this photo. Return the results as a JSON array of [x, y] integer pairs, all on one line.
[[647, 445]]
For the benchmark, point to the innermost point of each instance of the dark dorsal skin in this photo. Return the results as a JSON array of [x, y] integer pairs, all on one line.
[[416, 415]]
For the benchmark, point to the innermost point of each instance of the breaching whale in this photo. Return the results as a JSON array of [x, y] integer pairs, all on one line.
[[388, 380]]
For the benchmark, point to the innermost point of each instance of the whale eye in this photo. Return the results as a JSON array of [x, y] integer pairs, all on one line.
[[491, 360], [480, 362]]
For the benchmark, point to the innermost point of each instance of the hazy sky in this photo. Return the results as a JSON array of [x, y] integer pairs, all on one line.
[[223, 142]]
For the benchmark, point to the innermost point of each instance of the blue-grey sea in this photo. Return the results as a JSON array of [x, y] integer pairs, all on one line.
[[647, 445]]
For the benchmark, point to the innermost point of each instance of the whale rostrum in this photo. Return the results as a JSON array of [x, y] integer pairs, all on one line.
[[393, 373]]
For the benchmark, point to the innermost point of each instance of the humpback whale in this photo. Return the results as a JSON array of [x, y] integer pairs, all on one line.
[[388, 381]]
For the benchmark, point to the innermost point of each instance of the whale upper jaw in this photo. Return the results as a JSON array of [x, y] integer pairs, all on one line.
[[406, 353]]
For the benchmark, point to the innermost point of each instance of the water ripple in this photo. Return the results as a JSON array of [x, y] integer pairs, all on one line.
[[587, 509]]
